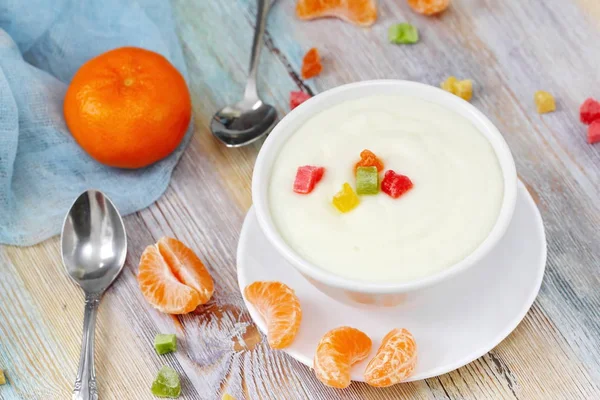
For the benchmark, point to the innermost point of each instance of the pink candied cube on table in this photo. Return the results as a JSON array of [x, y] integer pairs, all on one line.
[[307, 177], [297, 98], [594, 132], [395, 185], [589, 111]]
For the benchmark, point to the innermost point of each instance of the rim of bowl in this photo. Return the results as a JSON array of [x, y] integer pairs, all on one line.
[[297, 117]]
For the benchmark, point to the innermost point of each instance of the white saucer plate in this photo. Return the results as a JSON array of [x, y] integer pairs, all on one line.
[[453, 323]]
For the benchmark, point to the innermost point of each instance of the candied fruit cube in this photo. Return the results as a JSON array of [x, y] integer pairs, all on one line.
[[369, 159], [395, 185], [367, 180], [165, 343], [544, 102], [167, 383], [346, 199], [449, 84], [311, 64], [589, 111], [2, 378], [307, 177], [227, 396], [462, 89], [403, 34], [594, 132], [297, 98]]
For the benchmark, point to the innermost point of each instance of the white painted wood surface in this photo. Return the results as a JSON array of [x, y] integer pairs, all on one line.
[[509, 48]]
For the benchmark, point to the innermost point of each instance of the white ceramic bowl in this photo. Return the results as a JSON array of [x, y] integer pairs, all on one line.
[[377, 293]]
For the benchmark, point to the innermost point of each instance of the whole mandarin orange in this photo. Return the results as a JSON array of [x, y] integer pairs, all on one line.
[[128, 107]]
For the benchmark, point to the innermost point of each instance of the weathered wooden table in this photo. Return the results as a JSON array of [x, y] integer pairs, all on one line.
[[509, 48]]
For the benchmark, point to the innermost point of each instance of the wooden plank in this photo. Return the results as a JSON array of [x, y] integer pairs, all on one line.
[[510, 49]]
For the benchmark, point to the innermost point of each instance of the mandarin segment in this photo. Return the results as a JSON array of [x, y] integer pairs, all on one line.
[[280, 308], [395, 359], [187, 267], [160, 286], [338, 350], [358, 12], [429, 7]]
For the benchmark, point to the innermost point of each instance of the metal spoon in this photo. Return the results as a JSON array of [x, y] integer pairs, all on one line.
[[94, 246], [250, 119]]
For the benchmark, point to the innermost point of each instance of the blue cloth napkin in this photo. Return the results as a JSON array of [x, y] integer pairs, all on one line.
[[42, 169]]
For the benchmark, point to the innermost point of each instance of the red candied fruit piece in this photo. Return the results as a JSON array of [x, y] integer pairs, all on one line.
[[395, 185], [594, 132], [297, 98], [369, 159], [307, 177], [589, 111], [311, 64]]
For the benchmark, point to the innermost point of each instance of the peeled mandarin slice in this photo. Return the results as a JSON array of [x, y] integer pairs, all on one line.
[[395, 360], [187, 267], [429, 7], [338, 350], [279, 307], [358, 12], [161, 288]]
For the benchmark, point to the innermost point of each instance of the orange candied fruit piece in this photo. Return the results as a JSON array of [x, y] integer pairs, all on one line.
[[395, 360], [429, 7], [338, 350], [311, 64], [369, 159], [358, 12], [280, 308]]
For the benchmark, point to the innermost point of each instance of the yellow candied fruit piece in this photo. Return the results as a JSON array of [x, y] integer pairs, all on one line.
[[227, 396], [449, 84], [462, 89], [544, 102], [346, 199], [2, 378]]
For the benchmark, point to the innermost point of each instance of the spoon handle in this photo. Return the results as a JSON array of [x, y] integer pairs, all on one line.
[[263, 7], [85, 384]]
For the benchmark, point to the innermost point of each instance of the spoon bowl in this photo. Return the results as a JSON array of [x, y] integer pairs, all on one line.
[[94, 247], [93, 242], [243, 123]]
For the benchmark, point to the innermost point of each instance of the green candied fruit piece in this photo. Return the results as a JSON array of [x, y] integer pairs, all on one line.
[[367, 180], [403, 34], [165, 343], [167, 383]]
